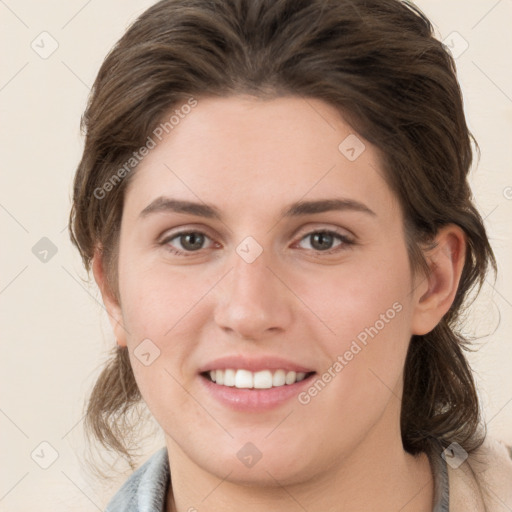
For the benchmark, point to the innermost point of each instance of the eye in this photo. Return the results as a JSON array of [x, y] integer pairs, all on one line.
[[324, 241], [187, 241]]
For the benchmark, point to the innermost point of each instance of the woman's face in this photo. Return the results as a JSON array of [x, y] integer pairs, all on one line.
[[261, 236]]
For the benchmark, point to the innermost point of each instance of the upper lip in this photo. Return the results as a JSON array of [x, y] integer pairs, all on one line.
[[253, 364]]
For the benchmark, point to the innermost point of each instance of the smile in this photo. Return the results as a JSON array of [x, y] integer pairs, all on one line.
[[264, 379]]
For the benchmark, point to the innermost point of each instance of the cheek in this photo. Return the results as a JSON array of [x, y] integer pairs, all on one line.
[[360, 293], [164, 314], [156, 299], [160, 310], [367, 307]]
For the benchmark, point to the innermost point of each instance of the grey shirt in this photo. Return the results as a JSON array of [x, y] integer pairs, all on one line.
[[146, 489]]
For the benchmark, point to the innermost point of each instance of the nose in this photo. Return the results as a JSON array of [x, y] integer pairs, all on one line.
[[253, 302]]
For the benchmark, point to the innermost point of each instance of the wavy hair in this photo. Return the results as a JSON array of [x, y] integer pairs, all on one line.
[[376, 61]]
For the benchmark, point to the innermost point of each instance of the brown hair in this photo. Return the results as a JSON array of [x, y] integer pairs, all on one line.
[[379, 64]]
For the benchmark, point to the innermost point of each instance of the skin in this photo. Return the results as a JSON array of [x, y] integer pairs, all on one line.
[[251, 158]]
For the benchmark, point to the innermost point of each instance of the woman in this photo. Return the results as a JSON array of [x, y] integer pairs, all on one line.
[[273, 200]]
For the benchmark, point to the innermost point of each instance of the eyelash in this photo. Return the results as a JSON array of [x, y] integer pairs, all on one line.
[[346, 242]]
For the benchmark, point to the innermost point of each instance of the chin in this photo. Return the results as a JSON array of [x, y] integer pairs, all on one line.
[[251, 467]]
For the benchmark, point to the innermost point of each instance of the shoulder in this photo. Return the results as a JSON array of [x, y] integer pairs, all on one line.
[[484, 480], [146, 488]]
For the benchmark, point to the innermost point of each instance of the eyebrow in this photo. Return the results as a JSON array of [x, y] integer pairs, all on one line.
[[167, 204]]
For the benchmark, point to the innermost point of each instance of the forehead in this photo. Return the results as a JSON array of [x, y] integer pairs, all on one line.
[[252, 154]]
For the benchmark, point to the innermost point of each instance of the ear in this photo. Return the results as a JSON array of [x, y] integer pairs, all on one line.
[[111, 303], [434, 294]]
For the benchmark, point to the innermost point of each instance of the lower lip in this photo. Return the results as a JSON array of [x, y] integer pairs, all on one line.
[[254, 400]]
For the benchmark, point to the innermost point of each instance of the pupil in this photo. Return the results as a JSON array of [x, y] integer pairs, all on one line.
[[192, 241], [324, 240]]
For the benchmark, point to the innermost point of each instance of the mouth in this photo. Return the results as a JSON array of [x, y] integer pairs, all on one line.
[[250, 384], [263, 379]]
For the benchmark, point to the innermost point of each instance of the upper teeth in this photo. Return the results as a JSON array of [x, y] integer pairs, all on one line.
[[258, 380]]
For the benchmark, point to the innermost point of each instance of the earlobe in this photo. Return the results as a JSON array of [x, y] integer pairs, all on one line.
[[445, 262], [109, 300]]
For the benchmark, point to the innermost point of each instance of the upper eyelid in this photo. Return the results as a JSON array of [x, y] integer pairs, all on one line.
[[343, 232], [305, 231], [167, 235]]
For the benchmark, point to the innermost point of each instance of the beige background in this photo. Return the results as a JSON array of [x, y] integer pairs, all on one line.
[[54, 331]]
